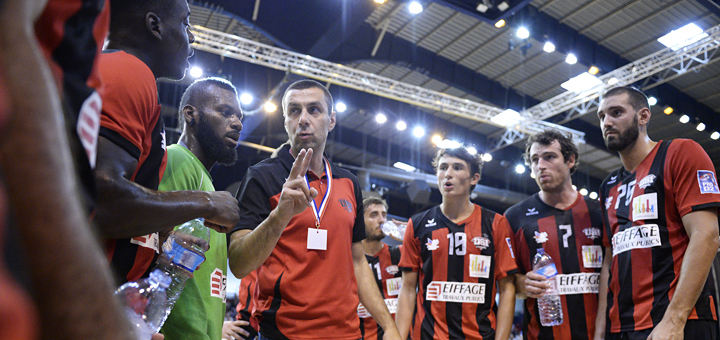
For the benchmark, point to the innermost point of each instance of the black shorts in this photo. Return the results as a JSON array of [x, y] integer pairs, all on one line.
[[694, 329]]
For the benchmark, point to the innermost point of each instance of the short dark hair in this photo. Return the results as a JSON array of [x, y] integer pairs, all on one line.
[[308, 84], [567, 147], [473, 160], [638, 99], [129, 15], [194, 94], [374, 200]]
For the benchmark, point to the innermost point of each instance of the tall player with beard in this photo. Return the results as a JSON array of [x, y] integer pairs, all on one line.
[[568, 227], [383, 259], [457, 255], [210, 117], [660, 213]]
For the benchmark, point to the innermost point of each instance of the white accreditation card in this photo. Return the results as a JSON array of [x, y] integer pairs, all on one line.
[[317, 239]]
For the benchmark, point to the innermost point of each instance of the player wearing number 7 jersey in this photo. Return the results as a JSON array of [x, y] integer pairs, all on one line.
[[454, 254], [569, 227]]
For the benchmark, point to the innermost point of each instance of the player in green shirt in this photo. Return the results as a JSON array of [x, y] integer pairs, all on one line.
[[210, 116]]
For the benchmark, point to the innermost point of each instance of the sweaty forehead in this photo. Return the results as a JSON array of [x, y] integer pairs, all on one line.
[[305, 97]]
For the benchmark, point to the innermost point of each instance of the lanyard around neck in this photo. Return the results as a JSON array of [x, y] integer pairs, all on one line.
[[320, 212]]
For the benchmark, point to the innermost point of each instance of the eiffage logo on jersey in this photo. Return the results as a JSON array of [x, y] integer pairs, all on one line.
[[462, 292], [644, 236]]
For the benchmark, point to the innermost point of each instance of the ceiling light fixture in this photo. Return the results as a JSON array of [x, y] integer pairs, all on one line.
[[380, 118], [571, 59], [682, 36], [507, 118], [403, 166], [415, 7], [500, 23], [246, 98], [196, 72], [270, 107], [593, 70], [581, 83], [523, 33], [668, 110], [340, 107], [549, 47], [684, 119]]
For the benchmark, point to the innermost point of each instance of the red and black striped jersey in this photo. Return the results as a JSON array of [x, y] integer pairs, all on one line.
[[388, 277], [642, 212], [573, 238], [302, 293], [131, 119], [71, 34], [245, 303], [458, 267]]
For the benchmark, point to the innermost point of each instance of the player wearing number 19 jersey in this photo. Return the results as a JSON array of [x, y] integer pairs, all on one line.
[[568, 227], [454, 254]]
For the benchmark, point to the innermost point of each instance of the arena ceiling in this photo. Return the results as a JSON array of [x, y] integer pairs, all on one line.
[[452, 48]]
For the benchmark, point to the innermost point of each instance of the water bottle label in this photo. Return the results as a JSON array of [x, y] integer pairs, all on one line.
[[547, 271], [183, 257]]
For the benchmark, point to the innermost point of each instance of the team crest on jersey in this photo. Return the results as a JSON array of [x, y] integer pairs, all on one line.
[[481, 242], [707, 181], [608, 202], [531, 211], [647, 181], [541, 237], [432, 244], [430, 223], [392, 270], [612, 179], [591, 233]]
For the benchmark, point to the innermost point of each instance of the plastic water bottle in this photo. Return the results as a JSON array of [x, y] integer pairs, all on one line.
[[550, 305], [393, 230], [182, 253], [144, 303]]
